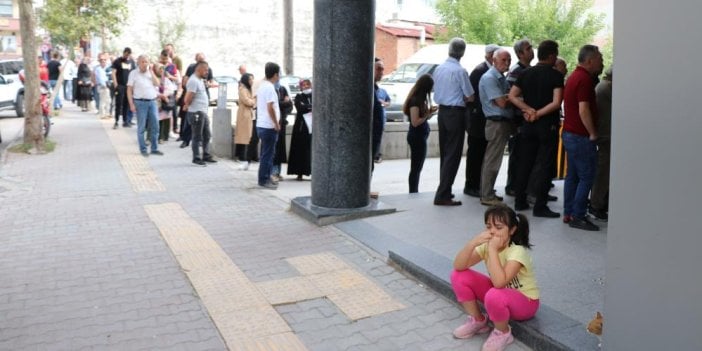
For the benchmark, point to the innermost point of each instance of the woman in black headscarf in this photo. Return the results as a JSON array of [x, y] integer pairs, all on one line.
[[300, 160], [85, 84]]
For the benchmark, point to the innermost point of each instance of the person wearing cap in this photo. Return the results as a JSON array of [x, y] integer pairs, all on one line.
[[121, 67], [476, 128]]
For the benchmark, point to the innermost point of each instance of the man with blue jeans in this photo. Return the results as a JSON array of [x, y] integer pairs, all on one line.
[[142, 90], [580, 137], [268, 123]]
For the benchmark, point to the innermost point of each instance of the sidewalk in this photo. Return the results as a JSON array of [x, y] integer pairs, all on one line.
[[424, 239], [101, 248]]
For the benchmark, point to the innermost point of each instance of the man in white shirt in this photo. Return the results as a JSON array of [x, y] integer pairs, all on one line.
[[268, 123], [195, 106], [142, 90]]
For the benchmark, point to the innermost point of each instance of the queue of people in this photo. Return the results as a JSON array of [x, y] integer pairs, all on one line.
[[522, 107]]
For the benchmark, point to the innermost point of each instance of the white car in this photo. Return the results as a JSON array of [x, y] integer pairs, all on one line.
[[11, 88]]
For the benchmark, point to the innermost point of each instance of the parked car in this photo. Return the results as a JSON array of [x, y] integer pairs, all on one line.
[[232, 89], [292, 84], [11, 88]]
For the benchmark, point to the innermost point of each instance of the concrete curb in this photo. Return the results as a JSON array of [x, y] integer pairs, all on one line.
[[529, 332]]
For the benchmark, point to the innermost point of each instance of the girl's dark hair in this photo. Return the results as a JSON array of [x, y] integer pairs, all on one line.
[[504, 214], [419, 94], [246, 80]]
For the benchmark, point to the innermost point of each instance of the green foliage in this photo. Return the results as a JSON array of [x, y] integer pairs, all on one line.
[[569, 22], [27, 148], [67, 24], [169, 30]]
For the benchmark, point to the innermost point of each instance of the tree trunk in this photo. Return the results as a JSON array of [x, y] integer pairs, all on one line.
[[32, 120], [288, 37]]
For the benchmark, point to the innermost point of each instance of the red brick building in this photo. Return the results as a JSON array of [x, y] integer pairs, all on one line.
[[395, 43]]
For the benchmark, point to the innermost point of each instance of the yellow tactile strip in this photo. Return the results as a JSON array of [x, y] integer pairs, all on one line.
[[138, 170], [285, 291], [353, 293], [243, 316]]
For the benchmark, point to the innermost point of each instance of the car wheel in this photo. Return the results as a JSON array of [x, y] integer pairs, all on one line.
[[19, 105]]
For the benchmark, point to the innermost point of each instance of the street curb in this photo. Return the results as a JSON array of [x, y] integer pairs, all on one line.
[[526, 332], [14, 141]]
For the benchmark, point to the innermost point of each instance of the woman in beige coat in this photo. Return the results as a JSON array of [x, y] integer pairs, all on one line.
[[244, 118]]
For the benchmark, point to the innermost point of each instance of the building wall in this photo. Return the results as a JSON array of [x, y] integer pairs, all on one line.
[[653, 289], [386, 49], [230, 32]]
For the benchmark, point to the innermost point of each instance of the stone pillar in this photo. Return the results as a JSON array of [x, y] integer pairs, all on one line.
[[342, 104], [344, 38]]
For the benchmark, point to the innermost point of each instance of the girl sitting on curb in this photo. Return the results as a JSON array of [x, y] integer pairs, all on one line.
[[510, 291]]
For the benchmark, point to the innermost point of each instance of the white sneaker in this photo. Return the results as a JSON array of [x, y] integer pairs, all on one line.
[[244, 166]]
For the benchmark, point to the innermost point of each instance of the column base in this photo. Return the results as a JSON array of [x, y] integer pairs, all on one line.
[[321, 216]]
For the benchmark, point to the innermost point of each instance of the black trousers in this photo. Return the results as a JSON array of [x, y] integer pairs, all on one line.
[[451, 138], [252, 149], [418, 153], [535, 160], [474, 162], [121, 104]]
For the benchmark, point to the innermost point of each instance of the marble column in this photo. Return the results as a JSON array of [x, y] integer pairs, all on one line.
[[344, 33]]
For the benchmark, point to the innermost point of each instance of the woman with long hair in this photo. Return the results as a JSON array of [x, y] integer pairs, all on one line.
[[244, 118], [419, 109]]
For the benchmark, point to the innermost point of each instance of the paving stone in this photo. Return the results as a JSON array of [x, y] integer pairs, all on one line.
[[289, 290]]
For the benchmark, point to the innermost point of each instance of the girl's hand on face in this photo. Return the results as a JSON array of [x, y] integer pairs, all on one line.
[[498, 242], [483, 237]]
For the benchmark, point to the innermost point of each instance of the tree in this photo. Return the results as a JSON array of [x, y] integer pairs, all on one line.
[[32, 119], [569, 22], [169, 31], [70, 20]]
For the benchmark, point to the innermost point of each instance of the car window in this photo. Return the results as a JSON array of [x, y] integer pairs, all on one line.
[[410, 72], [2, 80], [15, 66]]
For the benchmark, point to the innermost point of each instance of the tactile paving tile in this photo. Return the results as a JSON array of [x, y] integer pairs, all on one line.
[[250, 323], [339, 281], [140, 174], [279, 342], [243, 316], [317, 263], [366, 302], [289, 290]]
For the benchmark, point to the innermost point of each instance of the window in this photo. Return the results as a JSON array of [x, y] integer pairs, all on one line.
[[5, 8]]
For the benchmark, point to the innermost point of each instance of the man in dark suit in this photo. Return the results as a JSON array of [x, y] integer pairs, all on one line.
[[475, 127]]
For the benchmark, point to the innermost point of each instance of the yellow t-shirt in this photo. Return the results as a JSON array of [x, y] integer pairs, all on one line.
[[525, 281]]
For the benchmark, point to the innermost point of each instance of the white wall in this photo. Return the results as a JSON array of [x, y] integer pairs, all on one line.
[[231, 32], [653, 297]]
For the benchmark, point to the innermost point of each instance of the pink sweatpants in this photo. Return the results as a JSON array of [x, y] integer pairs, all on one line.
[[501, 304]]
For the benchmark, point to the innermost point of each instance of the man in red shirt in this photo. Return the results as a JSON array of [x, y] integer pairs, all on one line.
[[580, 136]]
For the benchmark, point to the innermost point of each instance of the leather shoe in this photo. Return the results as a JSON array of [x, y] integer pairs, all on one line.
[[447, 203], [601, 215], [584, 224], [472, 192], [510, 192], [184, 144], [521, 205], [546, 213]]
